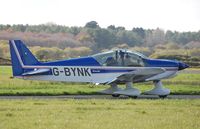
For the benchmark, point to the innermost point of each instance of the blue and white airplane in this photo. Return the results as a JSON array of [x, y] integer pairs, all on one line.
[[113, 67]]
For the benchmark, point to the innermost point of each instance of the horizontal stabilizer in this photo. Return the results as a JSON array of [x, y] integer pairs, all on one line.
[[36, 71]]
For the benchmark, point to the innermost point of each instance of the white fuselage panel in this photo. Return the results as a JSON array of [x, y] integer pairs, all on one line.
[[93, 74]]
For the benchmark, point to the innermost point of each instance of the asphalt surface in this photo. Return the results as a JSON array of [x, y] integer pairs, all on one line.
[[100, 97]]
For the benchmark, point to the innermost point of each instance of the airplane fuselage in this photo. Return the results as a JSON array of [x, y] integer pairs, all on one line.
[[93, 74]]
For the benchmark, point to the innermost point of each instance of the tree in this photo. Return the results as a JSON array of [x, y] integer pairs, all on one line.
[[77, 52], [42, 54], [139, 31], [1, 52], [103, 38], [120, 28], [46, 54], [92, 24], [4, 49], [154, 37], [169, 36], [112, 27], [128, 37], [158, 36], [75, 30], [172, 46]]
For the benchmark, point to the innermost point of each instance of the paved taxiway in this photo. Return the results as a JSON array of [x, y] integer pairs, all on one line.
[[100, 97]]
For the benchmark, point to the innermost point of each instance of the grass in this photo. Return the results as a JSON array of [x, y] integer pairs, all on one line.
[[186, 82], [99, 114], [96, 113]]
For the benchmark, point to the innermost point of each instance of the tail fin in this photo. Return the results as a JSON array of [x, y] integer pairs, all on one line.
[[20, 57]]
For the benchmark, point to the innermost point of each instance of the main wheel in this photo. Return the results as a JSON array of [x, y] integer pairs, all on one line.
[[162, 96], [115, 95], [134, 97]]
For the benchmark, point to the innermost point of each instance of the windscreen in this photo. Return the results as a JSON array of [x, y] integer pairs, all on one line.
[[120, 58]]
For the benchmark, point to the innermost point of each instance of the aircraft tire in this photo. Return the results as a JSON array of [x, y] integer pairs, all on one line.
[[115, 95], [162, 96], [134, 97]]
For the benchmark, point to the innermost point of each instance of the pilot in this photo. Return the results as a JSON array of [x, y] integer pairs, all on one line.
[[110, 61], [128, 60], [121, 53]]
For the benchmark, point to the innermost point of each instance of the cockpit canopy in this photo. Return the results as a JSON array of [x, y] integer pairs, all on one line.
[[120, 58]]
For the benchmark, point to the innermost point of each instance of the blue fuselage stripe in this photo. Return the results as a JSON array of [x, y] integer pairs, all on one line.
[[93, 71]]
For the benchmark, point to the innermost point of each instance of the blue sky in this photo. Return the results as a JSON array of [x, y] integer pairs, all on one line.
[[180, 15]]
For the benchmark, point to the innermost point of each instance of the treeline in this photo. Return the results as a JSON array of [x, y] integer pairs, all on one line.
[[166, 51], [93, 36], [50, 41]]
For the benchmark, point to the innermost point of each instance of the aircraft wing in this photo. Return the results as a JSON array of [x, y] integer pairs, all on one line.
[[36, 71], [138, 75]]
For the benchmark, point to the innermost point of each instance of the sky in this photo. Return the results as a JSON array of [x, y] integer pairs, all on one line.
[[179, 15]]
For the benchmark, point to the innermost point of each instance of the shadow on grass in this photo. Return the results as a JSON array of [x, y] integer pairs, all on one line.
[[82, 93], [48, 94]]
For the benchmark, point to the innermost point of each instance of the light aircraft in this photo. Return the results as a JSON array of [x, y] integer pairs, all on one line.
[[112, 67]]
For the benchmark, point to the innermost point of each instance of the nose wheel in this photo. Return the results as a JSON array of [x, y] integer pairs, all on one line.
[[115, 95]]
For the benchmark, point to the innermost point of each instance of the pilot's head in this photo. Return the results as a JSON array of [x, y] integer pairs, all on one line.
[[127, 56]]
